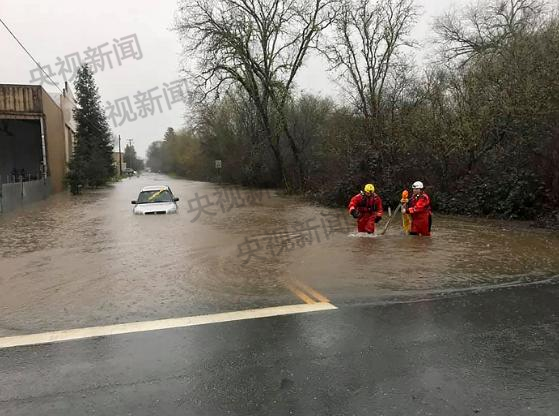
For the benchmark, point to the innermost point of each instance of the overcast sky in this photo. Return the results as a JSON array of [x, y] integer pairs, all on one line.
[[52, 29]]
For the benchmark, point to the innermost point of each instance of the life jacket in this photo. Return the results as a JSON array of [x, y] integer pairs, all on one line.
[[413, 200], [364, 203]]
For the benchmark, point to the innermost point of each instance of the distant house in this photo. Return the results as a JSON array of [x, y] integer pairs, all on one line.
[[37, 133], [119, 163]]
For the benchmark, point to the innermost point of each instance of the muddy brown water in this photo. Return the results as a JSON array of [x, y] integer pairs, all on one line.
[[78, 261]]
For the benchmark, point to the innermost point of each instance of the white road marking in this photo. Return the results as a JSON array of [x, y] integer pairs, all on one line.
[[101, 331]]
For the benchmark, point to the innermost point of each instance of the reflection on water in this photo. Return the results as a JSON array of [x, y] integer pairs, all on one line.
[[90, 258]]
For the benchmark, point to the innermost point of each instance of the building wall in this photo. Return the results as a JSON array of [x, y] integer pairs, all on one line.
[[67, 104], [22, 108], [54, 130], [118, 161]]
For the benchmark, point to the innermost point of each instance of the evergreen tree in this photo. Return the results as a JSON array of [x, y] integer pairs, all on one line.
[[131, 158], [92, 161], [170, 134], [168, 162], [155, 156]]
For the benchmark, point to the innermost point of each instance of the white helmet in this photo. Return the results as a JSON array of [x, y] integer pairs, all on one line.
[[417, 185]]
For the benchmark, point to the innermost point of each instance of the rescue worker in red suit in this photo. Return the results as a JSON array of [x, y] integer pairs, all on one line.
[[419, 207], [366, 207]]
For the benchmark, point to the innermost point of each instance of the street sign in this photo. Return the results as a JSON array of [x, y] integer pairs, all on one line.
[[218, 164]]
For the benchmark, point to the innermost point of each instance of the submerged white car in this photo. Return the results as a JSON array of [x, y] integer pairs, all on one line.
[[155, 200]]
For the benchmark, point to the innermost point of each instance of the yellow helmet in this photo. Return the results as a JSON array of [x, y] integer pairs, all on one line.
[[369, 188]]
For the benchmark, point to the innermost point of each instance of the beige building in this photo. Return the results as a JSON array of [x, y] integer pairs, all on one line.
[[36, 142], [119, 163]]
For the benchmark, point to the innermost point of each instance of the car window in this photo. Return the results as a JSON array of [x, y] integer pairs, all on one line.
[[162, 195]]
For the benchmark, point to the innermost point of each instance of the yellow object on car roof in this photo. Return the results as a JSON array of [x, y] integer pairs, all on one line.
[[155, 195]]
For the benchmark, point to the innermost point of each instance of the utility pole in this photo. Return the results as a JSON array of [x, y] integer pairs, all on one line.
[[119, 158]]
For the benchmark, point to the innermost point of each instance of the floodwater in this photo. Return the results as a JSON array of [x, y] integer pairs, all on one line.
[[79, 261]]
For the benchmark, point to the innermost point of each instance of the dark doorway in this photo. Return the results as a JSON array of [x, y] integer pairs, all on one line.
[[21, 153]]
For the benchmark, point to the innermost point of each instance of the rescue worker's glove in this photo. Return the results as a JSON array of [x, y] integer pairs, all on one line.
[[377, 219], [354, 213]]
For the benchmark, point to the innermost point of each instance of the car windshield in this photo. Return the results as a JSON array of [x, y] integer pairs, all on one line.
[[147, 197]]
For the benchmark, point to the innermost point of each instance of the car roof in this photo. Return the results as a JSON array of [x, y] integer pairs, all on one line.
[[155, 188]]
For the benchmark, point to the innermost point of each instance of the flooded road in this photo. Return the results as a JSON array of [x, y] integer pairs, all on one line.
[[72, 262]]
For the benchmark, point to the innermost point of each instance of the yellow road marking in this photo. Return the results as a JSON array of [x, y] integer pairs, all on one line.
[[314, 293], [306, 293], [300, 294], [133, 327]]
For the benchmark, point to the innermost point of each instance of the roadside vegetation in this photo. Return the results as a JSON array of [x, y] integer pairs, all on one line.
[[479, 124]]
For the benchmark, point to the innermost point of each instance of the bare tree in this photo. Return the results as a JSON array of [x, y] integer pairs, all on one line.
[[368, 37], [257, 44], [486, 27]]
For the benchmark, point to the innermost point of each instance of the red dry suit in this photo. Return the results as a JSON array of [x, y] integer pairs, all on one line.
[[419, 206], [369, 207]]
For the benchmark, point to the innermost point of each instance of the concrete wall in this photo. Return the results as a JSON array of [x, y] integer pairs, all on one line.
[[56, 142], [15, 195]]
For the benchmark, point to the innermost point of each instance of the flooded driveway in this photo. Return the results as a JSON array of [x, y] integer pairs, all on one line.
[[73, 262]]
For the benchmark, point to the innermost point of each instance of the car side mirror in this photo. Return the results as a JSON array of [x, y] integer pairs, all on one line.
[[133, 202], [176, 199]]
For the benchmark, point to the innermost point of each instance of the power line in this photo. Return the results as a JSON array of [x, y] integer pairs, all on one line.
[[29, 54], [40, 68]]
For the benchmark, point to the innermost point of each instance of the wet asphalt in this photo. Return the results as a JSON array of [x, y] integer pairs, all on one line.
[[463, 323], [488, 352]]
